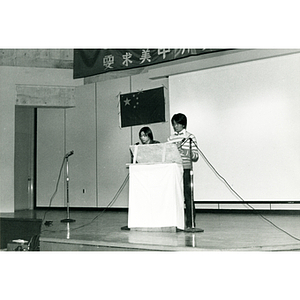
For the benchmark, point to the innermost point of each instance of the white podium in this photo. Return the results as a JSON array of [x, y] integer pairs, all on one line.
[[156, 198]]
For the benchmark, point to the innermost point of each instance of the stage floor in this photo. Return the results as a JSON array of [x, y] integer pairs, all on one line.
[[95, 230]]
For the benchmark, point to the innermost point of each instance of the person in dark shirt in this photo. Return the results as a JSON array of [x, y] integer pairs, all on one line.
[[146, 138]]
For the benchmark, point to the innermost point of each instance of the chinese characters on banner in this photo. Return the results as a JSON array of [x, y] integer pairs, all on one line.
[[144, 107], [88, 62]]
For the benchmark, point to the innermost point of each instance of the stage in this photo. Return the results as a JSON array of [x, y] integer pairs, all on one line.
[[96, 230]]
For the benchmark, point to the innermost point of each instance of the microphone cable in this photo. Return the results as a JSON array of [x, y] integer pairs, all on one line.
[[56, 189], [35, 239], [109, 204], [237, 195]]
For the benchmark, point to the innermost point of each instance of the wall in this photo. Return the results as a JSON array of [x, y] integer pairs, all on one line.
[[7, 142], [51, 149], [80, 136], [98, 168], [91, 129], [113, 142], [10, 76], [41, 58], [215, 100], [24, 154], [247, 121]]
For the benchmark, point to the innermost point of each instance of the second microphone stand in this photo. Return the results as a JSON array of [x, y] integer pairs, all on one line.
[[68, 220], [190, 205]]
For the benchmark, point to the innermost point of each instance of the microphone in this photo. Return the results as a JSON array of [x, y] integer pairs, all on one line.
[[183, 141], [69, 153]]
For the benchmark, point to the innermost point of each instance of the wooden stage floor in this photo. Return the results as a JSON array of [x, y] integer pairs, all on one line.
[[96, 230]]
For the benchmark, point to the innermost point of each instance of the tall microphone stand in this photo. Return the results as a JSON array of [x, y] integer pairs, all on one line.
[[68, 220], [191, 204]]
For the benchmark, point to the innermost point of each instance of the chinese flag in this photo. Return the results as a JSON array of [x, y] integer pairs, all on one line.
[[142, 107]]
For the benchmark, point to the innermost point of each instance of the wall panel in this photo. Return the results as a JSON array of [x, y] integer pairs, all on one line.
[[112, 143], [24, 149], [81, 137], [161, 131], [50, 154]]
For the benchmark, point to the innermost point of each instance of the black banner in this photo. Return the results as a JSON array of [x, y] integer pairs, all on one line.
[[89, 62], [143, 107]]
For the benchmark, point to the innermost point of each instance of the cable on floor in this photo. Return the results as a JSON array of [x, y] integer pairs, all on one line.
[[108, 205], [56, 188], [238, 196]]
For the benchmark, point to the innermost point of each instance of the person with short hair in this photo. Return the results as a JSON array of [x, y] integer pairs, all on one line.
[[182, 138]]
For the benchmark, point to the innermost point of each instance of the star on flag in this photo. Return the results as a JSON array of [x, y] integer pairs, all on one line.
[[127, 101]]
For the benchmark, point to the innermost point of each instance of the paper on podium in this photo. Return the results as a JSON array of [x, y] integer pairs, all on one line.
[[155, 153]]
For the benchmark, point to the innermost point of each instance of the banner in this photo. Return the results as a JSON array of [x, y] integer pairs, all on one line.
[[143, 107], [89, 62]]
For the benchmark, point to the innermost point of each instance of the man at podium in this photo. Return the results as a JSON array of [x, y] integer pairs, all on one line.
[[184, 140]]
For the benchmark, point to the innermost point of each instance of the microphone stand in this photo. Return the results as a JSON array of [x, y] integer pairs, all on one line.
[[68, 220], [191, 204]]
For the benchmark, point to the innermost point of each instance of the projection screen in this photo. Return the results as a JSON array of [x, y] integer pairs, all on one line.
[[246, 118]]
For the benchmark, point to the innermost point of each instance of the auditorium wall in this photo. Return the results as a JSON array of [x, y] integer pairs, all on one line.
[[237, 112], [10, 77], [98, 169]]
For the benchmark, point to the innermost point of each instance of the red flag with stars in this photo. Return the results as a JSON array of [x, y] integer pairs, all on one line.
[[143, 107]]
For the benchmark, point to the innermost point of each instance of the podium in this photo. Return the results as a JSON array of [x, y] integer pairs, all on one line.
[[156, 200]]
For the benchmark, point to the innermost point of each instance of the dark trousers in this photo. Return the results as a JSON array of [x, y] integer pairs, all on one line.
[[189, 202]]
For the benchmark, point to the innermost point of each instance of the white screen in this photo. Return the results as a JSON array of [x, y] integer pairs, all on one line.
[[246, 118]]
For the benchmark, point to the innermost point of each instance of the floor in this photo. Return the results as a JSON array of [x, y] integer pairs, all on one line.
[[239, 255], [95, 230]]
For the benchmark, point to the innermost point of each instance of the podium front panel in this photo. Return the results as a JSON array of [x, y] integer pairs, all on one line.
[[156, 195]]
